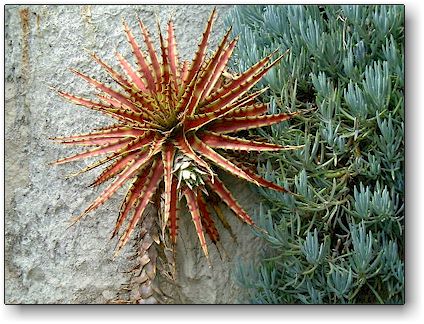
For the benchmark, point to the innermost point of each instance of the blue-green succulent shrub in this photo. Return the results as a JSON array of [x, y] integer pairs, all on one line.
[[339, 238]]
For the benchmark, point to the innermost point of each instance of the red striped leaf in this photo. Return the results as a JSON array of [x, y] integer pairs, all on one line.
[[154, 178], [131, 73], [152, 52], [244, 77], [165, 69], [263, 182], [137, 145], [219, 68], [143, 65], [195, 214], [131, 197], [115, 168], [173, 210], [132, 167], [88, 103], [115, 75], [104, 149], [124, 100], [205, 77], [168, 154], [200, 53], [121, 163], [172, 53], [207, 220], [218, 159], [249, 111], [222, 105], [236, 124], [238, 144], [218, 187], [184, 72], [109, 134]]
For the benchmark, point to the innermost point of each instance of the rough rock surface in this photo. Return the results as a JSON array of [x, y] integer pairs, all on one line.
[[46, 262]]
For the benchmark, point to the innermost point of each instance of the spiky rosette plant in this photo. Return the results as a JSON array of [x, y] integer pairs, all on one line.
[[173, 120]]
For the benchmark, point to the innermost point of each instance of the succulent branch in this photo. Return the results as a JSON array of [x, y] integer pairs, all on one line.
[[339, 238]]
